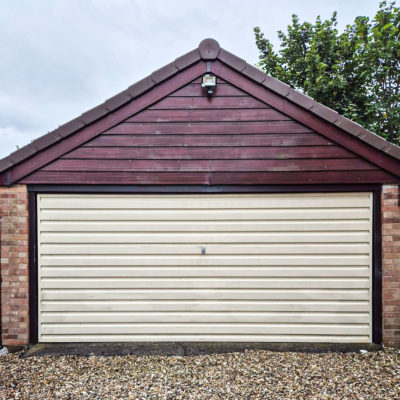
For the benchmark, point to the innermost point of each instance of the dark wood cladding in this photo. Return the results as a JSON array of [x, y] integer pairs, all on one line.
[[205, 102], [210, 128], [207, 152], [194, 89], [232, 140], [207, 178], [229, 138], [194, 165], [209, 115]]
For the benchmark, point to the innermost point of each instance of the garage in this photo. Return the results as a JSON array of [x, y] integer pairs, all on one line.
[[208, 202], [205, 267]]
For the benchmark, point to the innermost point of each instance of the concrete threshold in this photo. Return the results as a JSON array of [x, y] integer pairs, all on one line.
[[187, 348]]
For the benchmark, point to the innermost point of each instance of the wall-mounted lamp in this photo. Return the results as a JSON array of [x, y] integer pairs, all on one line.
[[209, 81]]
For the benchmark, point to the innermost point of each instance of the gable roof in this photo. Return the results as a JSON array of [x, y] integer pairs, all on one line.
[[208, 50]]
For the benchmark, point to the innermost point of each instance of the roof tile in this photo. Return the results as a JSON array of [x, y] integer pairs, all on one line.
[[300, 99], [140, 87], [21, 154], [394, 151], [5, 163], [117, 101], [277, 86], [164, 72], [254, 73], [209, 49], [233, 61], [46, 140], [93, 114], [187, 59], [349, 126], [28, 150], [69, 127], [374, 140], [325, 112]]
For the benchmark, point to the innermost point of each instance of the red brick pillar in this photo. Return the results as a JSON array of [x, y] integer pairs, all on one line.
[[14, 265], [391, 264]]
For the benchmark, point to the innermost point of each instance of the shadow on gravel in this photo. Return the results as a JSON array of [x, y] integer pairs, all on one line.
[[187, 349]]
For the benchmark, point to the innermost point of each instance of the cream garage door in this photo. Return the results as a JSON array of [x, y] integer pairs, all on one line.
[[277, 267]]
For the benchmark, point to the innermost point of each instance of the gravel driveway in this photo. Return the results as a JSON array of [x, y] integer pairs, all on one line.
[[253, 374]]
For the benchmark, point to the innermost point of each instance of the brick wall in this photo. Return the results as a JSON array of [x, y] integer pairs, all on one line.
[[391, 264], [14, 265]]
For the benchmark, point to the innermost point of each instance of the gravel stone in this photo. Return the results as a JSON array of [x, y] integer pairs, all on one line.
[[251, 374]]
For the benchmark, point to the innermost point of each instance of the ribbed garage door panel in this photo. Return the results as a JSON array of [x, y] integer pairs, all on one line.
[[289, 267]]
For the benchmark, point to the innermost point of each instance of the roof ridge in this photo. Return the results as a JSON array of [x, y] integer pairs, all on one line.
[[208, 49]]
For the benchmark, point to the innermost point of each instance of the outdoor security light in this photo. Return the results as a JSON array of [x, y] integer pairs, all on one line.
[[209, 81]]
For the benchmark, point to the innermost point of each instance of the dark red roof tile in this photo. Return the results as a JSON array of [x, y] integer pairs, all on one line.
[[28, 150], [254, 73], [277, 86], [69, 127], [164, 72], [22, 153], [117, 101], [46, 140], [209, 49], [188, 59], [233, 61], [394, 151], [324, 112], [374, 140], [94, 114], [349, 126], [140, 87], [300, 99], [6, 162]]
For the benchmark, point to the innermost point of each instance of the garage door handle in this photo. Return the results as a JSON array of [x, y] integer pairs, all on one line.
[[203, 250]]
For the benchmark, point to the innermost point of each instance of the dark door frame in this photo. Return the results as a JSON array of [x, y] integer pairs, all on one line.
[[217, 189]]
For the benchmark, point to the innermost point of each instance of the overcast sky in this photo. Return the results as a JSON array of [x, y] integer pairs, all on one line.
[[61, 57]]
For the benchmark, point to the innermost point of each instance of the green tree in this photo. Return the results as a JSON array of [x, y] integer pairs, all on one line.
[[355, 72]]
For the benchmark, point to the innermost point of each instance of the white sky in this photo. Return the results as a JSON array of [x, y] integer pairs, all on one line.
[[61, 57]]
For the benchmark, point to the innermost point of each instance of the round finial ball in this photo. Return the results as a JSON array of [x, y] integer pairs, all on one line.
[[209, 49]]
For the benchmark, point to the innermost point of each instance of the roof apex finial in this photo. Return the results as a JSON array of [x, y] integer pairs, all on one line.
[[209, 49]]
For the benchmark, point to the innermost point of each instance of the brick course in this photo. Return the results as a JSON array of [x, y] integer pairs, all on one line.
[[391, 265], [14, 265]]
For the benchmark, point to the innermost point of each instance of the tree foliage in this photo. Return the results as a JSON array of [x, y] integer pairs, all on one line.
[[355, 72]]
